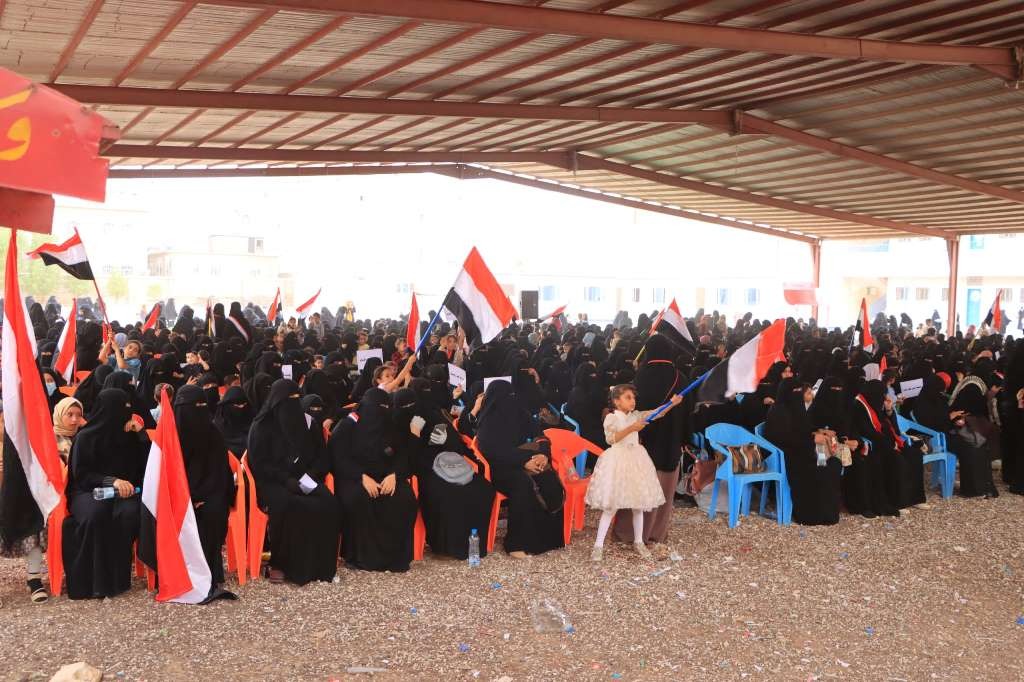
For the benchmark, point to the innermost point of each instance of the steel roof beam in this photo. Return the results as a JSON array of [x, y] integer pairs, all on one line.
[[635, 29], [152, 97]]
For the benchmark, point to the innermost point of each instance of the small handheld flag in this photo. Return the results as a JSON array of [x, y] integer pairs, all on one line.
[[994, 319], [68, 255], [64, 357], [414, 323], [154, 317], [275, 308], [304, 309]]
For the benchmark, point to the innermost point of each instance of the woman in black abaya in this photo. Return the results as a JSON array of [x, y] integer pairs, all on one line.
[[99, 534], [587, 401], [285, 463], [209, 475], [522, 472], [656, 382], [814, 488], [932, 410], [233, 419], [450, 510], [378, 508], [871, 485], [90, 388]]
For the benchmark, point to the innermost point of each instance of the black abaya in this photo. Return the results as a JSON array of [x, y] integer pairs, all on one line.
[[209, 474], [504, 427], [303, 526], [376, 531], [99, 534], [814, 489]]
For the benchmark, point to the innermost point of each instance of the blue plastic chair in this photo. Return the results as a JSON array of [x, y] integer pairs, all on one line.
[[720, 437], [945, 471], [581, 459]]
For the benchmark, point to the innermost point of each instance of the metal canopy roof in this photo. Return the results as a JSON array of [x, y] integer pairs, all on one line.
[[807, 119]]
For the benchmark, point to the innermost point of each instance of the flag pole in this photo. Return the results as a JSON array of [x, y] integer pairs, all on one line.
[[694, 384], [426, 334], [95, 282]]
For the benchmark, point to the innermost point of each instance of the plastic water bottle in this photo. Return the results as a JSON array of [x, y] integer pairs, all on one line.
[[474, 550], [108, 492]]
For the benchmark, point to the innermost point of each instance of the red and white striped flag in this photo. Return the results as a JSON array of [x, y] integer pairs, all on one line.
[[273, 310], [64, 358], [69, 255], [26, 412], [671, 325], [867, 341], [478, 302], [304, 309], [994, 319], [412, 331], [169, 536], [154, 317], [741, 371]]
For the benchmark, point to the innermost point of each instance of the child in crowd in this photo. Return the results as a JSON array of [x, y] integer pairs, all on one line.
[[624, 477]]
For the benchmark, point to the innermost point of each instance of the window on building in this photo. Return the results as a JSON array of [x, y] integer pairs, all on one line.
[[403, 288], [753, 296], [592, 294], [1007, 294], [215, 269], [723, 297], [255, 245], [921, 294], [977, 242], [549, 292], [659, 295], [901, 293], [636, 295], [945, 294]]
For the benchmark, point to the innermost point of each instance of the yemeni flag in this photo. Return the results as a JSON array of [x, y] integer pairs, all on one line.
[[168, 536], [304, 309], [26, 413], [154, 317], [994, 319], [863, 327], [671, 325], [556, 318], [239, 327], [741, 371], [478, 302], [414, 324], [275, 308], [64, 358], [69, 255]]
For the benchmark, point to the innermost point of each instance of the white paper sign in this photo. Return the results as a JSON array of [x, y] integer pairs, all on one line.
[[363, 355], [817, 385], [872, 371], [911, 389], [488, 380], [307, 484], [456, 376], [286, 371]]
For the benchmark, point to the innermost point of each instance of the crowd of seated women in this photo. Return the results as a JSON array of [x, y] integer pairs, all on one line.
[[346, 458]]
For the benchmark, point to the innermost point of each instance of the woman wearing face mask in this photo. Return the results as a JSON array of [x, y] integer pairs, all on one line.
[[209, 475], [52, 381], [99, 534], [867, 485], [289, 468], [233, 419], [813, 481], [377, 505]]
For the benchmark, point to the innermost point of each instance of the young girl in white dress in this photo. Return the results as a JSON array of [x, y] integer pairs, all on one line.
[[624, 477]]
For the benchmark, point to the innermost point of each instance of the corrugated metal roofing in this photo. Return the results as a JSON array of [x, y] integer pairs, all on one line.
[[959, 119]]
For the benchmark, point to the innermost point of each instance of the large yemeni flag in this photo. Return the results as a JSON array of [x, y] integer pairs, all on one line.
[[864, 327], [670, 323], [69, 255], [64, 358], [26, 413], [304, 309], [168, 536], [414, 324], [994, 319], [478, 302], [741, 371]]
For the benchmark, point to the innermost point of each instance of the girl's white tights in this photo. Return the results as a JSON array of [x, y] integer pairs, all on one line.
[[606, 522], [34, 559]]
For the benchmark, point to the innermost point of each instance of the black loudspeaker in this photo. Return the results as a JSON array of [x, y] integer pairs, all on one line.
[[528, 305]]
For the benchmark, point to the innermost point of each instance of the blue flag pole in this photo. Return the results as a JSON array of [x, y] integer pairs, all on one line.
[[426, 334], [694, 384]]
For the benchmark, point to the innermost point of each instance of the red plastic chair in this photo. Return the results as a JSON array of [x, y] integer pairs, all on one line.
[[492, 527], [236, 540], [565, 445], [419, 529], [257, 523], [79, 376]]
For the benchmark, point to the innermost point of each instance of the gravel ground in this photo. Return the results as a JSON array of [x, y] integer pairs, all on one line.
[[932, 595]]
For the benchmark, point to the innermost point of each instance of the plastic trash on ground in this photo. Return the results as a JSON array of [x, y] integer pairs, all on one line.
[[547, 616]]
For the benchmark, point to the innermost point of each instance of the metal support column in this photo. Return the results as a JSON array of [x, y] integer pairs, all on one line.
[[816, 276], [953, 249]]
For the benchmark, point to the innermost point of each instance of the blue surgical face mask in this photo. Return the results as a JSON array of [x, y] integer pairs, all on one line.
[[50, 387]]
